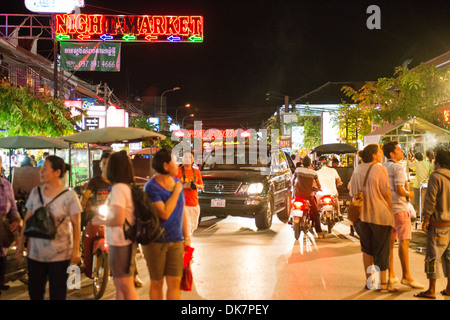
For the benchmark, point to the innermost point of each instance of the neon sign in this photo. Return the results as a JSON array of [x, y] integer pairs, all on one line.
[[447, 116], [97, 27]]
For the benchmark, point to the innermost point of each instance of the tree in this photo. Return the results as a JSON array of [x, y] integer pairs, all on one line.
[[21, 113], [420, 92], [143, 123]]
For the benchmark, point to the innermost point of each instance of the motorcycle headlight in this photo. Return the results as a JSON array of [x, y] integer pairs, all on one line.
[[255, 188], [103, 211]]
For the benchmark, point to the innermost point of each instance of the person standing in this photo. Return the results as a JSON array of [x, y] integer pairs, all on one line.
[[8, 210], [423, 170], [436, 214], [306, 177], [164, 257], [402, 229], [49, 259], [377, 218], [192, 182], [329, 179], [122, 251]]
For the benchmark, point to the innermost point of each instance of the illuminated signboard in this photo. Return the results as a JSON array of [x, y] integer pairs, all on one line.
[[97, 27], [447, 116], [53, 6]]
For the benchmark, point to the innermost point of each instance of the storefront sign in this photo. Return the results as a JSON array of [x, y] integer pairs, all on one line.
[[91, 123], [90, 56], [97, 27], [447, 116], [53, 6]]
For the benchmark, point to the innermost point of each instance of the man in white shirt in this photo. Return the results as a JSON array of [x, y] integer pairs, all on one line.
[[329, 180]]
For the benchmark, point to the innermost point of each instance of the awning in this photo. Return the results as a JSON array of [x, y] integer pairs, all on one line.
[[114, 135], [32, 142]]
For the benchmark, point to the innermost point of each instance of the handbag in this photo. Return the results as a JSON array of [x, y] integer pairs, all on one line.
[[7, 238], [187, 279], [354, 209], [41, 223]]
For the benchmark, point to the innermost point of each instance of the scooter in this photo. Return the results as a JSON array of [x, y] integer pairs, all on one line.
[[328, 213], [300, 216], [301, 223], [96, 255], [15, 270]]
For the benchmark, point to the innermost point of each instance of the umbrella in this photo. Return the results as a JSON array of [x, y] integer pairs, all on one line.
[[114, 135], [35, 142], [334, 148], [144, 151]]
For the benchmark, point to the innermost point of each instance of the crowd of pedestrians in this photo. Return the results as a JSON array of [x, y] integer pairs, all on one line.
[[385, 219]]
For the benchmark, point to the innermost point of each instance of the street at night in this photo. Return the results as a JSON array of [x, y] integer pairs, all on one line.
[[311, 138], [235, 261]]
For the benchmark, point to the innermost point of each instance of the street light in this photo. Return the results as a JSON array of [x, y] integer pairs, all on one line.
[[182, 121], [160, 108], [176, 112]]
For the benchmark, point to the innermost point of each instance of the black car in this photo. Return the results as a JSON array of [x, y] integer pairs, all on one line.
[[238, 182]]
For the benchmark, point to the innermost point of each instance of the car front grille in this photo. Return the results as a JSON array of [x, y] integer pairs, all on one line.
[[221, 186]]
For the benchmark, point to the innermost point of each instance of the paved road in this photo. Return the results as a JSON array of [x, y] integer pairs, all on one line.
[[235, 261]]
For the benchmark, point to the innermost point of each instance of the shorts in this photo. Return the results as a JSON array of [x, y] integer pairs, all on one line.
[[375, 241], [192, 214], [402, 229], [164, 259], [122, 260], [438, 247]]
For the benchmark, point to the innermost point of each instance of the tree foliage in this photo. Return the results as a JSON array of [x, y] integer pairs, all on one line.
[[22, 113], [420, 92], [143, 123]]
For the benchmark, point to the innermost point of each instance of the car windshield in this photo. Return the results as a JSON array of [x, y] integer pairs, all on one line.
[[236, 159]]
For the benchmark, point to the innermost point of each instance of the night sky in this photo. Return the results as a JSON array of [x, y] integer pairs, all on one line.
[[253, 47]]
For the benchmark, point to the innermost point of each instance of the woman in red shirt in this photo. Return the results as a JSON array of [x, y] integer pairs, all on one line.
[[192, 181]]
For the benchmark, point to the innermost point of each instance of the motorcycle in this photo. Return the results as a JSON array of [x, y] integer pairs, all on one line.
[[15, 270], [95, 253], [300, 216], [328, 213]]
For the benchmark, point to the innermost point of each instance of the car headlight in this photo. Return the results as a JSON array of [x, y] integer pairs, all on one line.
[[255, 188]]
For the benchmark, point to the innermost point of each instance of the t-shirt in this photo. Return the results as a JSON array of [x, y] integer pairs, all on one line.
[[397, 177], [423, 171], [190, 196], [60, 248], [120, 195], [100, 189], [173, 226], [327, 178], [305, 179], [376, 208]]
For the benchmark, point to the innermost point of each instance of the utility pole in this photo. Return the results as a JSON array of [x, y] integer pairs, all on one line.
[[55, 60], [105, 92]]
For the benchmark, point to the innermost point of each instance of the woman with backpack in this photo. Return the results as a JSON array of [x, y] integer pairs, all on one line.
[[165, 256], [120, 209]]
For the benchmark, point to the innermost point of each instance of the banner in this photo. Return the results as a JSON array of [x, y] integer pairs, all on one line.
[[90, 56]]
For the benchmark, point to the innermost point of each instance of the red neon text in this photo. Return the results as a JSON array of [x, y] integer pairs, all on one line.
[[96, 24]]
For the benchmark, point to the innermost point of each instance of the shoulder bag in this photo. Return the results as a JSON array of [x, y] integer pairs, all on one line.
[[41, 223], [7, 238], [354, 209]]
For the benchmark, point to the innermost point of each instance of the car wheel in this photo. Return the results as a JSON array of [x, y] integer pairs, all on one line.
[[263, 219], [285, 213]]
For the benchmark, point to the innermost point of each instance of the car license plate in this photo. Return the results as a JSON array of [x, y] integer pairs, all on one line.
[[218, 203]]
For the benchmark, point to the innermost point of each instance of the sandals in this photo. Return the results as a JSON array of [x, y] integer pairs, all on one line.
[[444, 293], [425, 295], [387, 288]]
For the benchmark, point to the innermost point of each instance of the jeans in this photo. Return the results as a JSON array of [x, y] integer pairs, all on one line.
[[54, 272]]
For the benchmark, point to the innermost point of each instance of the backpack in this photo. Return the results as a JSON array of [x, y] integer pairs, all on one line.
[[147, 227]]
